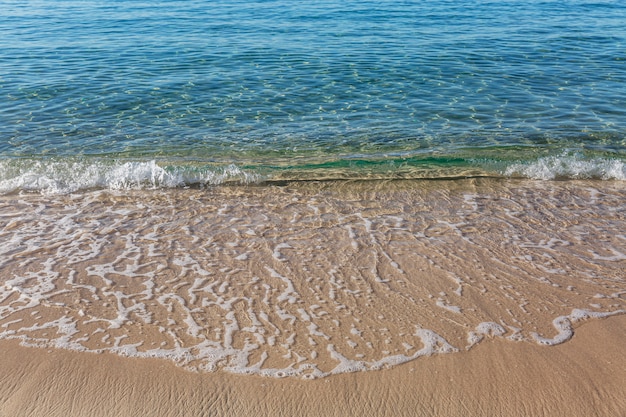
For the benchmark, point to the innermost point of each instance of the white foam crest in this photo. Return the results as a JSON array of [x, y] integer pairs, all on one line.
[[569, 166], [67, 176], [131, 175]]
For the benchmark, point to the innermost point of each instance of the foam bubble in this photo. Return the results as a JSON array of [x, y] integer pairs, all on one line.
[[162, 275], [569, 166], [563, 325], [433, 343]]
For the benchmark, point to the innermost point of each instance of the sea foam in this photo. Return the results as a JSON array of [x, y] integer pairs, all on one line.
[[62, 176], [569, 166], [69, 175], [267, 280]]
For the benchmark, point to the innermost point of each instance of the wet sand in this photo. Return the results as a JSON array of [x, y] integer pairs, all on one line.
[[457, 298], [584, 377]]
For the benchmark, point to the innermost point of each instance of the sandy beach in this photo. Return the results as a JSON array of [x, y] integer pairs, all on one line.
[[337, 208], [583, 377], [480, 298]]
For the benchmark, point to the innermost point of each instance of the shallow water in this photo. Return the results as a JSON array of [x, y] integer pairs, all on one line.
[[311, 279], [170, 93]]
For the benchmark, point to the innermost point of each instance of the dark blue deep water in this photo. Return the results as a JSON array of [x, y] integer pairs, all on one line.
[[172, 93]]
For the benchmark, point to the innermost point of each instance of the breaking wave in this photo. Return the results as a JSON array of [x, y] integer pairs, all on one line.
[[62, 176], [569, 166], [65, 176]]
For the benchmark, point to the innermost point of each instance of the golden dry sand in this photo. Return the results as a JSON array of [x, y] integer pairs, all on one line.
[[585, 376]]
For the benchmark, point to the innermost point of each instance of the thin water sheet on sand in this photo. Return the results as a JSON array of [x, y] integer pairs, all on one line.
[[584, 377], [311, 279]]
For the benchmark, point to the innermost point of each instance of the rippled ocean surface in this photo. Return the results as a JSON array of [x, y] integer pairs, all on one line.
[[170, 93]]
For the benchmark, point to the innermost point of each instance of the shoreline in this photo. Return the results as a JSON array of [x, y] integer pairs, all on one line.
[[582, 377], [316, 278]]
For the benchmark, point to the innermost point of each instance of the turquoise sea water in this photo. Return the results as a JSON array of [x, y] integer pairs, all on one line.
[[170, 93]]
